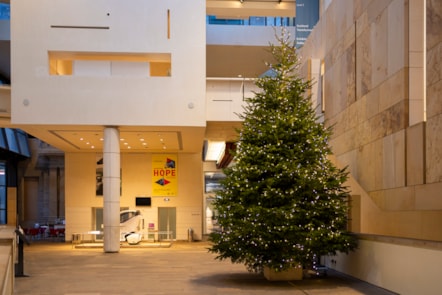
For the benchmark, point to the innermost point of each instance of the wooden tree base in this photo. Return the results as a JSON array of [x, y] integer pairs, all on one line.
[[292, 274]]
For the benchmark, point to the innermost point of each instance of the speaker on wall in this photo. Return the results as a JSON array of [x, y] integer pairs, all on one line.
[[143, 201]]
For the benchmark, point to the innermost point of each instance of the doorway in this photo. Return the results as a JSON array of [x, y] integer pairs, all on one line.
[[167, 223], [30, 203], [97, 219]]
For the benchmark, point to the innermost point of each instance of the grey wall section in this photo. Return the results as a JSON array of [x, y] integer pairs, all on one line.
[[307, 15]]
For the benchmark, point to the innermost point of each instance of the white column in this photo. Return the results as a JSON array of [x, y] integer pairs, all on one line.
[[111, 189]]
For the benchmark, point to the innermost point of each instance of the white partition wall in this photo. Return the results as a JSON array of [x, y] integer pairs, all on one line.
[[108, 63], [226, 97]]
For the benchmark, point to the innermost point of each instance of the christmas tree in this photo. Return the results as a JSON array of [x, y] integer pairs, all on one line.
[[283, 202]]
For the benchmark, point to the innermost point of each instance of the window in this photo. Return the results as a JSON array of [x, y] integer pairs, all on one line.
[[252, 21], [12, 140], [3, 143], [5, 11], [212, 181], [22, 140], [126, 215], [3, 194]]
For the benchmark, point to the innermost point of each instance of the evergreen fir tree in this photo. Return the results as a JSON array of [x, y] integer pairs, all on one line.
[[283, 202]]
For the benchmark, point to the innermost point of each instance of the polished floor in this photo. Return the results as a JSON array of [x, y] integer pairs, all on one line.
[[181, 268]]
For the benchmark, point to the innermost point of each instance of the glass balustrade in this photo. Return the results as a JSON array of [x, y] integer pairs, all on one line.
[[253, 21]]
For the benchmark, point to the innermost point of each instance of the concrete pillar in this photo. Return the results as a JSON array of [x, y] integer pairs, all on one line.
[[111, 189]]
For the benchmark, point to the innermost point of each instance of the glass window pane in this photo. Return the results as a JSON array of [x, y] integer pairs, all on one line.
[[211, 222], [212, 181], [3, 139], [2, 174], [5, 11], [22, 138], [213, 20], [3, 217], [2, 197], [257, 21], [12, 141]]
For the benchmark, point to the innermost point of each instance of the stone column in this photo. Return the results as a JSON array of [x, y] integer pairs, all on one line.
[[111, 189]]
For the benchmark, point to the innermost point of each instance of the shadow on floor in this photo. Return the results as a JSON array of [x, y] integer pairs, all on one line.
[[333, 283]]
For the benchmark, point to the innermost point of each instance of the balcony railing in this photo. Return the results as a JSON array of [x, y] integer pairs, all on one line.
[[253, 21]]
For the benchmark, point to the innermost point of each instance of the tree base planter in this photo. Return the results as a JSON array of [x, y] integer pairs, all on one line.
[[292, 274]]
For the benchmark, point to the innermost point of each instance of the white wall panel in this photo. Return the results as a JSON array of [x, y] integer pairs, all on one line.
[[226, 98], [393, 267], [105, 28], [92, 68], [138, 69]]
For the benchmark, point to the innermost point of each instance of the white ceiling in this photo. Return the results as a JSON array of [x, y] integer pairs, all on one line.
[[136, 141], [133, 139]]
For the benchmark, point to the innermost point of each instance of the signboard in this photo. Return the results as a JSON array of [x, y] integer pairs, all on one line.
[[307, 15], [164, 175]]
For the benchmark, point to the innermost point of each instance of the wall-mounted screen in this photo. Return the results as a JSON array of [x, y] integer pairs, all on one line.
[[143, 201]]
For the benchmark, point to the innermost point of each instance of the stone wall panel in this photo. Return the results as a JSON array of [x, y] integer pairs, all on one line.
[[434, 23], [434, 149]]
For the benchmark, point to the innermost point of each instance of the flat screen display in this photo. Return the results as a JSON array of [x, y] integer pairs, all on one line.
[[142, 201]]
